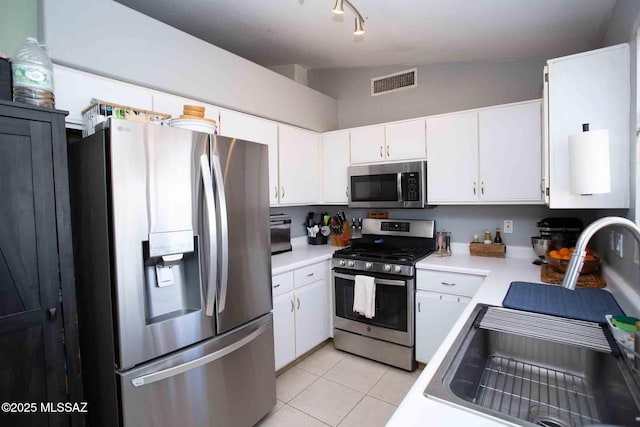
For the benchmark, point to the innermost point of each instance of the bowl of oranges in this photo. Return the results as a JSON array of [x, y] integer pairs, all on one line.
[[559, 260]]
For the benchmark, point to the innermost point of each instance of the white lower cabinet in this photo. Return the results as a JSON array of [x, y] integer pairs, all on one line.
[[301, 317], [441, 297], [435, 315]]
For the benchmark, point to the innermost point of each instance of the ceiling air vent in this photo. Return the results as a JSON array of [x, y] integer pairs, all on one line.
[[394, 82]]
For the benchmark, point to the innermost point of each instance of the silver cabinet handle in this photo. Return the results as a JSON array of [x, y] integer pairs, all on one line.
[[277, 286], [282, 192], [418, 307], [196, 363], [482, 187], [474, 188], [275, 194], [388, 151], [291, 305], [310, 274], [447, 284], [224, 232], [381, 154], [346, 192], [298, 299], [212, 267]]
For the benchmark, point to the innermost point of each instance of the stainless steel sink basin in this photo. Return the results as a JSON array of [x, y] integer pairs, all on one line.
[[528, 380]]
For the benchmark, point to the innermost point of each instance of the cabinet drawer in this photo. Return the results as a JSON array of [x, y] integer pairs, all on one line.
[[451, 283], [312, 273], [282, 283]]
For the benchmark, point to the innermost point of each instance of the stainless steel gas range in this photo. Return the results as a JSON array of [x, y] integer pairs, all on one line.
[[388, 252]]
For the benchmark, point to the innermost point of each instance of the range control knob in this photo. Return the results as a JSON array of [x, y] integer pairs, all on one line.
[[397, 269], [368, 265], [342, 262], [387, 267], [351, 263]]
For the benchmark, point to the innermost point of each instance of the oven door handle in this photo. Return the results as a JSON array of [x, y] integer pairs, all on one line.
[[377, 280]]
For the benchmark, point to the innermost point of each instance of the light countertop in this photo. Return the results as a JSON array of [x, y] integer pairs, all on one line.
[[302, 255], [418, 410]]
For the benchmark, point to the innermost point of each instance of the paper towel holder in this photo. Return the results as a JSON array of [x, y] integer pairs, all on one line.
[[589, 167]]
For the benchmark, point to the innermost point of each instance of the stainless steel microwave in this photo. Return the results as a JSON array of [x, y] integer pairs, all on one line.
[[390, 185]]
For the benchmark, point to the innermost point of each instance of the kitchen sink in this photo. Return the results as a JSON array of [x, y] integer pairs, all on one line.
[[534, 369]]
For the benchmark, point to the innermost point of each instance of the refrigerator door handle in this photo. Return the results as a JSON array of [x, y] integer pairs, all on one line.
[[212, 272], [224, 233], [196, 363]]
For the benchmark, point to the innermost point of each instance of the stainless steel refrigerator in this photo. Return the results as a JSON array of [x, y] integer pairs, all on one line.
[[172, 248]]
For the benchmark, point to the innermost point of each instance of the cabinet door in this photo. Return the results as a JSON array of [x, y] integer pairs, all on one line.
[[300, 177], [312, 316], [435, 316], [31, 348], [510, 146], [242, 126], [590, 87], [335, 161], [284, 335], [406, 140], [74, 90], [452, 158], [367, 144]]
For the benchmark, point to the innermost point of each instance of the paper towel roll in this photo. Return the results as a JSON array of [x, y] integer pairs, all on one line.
[[589, 169]]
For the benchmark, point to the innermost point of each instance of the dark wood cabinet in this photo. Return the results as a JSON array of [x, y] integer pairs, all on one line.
[[39, 351]]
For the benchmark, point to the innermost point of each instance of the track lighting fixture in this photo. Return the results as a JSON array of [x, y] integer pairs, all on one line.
[[338, 9]]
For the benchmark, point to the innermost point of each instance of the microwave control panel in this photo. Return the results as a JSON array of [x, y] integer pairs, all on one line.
[[410, 186]]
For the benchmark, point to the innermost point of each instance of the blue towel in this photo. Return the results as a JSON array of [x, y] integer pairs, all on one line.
[[583, 303]]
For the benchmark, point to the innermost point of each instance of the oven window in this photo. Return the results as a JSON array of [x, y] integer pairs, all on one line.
[[374, 188], [391, 305]]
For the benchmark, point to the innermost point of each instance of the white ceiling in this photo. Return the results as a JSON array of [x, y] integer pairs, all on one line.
[[305, 32]]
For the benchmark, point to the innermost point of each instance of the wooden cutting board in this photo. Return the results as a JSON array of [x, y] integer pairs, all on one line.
[[549, 275]]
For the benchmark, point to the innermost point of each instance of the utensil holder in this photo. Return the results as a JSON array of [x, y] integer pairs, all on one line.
[[343, 239], [318, 240]]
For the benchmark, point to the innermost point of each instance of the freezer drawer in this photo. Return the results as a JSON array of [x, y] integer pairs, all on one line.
[[226, 381]]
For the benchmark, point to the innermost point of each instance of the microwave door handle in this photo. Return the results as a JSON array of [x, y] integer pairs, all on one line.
[[400, 197], [224, 232], [212, 264]]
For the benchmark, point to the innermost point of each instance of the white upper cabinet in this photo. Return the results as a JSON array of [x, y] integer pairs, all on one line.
[[405, 140], [300, 166], [174, 105], [335, 160], [452, 158], [591, 87], [392, 142], [489, 156], [243, 126], [510, 145], [367, 144], [74, 90]]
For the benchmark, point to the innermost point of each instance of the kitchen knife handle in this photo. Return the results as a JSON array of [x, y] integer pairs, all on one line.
[[212, 264], [224, 232]]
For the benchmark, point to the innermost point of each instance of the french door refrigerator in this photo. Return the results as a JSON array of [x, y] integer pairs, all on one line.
[[171, 232]]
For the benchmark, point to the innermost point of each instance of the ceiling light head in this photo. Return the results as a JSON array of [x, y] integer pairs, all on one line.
[[338, 9], [359, 30]]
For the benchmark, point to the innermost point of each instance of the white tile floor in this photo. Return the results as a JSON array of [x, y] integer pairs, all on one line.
[[331, 387]]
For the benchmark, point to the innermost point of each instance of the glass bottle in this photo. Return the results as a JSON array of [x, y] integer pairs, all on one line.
[[487, 238], [497, 239]]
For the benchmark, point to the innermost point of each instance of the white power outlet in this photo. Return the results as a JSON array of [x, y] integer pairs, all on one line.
[[619, 244], [508, 226]]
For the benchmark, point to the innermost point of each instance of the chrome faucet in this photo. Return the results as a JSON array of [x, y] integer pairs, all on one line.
[[577, 259]]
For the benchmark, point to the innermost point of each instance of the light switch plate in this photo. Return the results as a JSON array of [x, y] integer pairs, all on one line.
[[508, 226]]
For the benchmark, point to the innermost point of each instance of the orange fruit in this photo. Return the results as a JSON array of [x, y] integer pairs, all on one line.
[[564, 252], [589, 258], [554, 254], [566, 257], [572, 249]]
